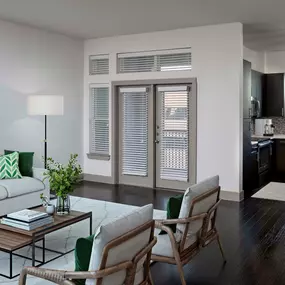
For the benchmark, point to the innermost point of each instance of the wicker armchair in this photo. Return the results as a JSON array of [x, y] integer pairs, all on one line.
[[195, 226], [124, 259]]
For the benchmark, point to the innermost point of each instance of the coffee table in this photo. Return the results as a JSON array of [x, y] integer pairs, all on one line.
[[12, 239]]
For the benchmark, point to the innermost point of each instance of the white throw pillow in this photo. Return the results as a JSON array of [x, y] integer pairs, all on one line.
[[125, 251]]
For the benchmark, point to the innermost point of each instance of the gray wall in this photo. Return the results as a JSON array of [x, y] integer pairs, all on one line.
[[34, 61]]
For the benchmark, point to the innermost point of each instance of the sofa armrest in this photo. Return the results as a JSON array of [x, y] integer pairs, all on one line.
[[38, 173]]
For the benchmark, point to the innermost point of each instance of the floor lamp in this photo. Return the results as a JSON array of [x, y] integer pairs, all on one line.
[[45, 105]]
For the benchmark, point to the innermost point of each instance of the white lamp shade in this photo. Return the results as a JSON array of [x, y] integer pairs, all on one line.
[[49, 105]]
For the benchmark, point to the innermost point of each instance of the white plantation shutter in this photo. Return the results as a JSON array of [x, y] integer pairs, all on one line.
[[174, 136], [99, 120], [161, 60], [98, 64], [174, 62], [135, 64], [135, 131]]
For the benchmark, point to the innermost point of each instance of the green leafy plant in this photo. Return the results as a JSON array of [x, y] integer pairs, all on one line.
[[62, 178], [45, 200]]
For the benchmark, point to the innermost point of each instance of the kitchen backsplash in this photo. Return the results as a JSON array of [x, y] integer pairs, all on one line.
[[279, 124]]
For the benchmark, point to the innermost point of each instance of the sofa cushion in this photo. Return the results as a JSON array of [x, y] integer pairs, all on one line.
[[9, 167], [17, 187], [3, 193], [124, 251], [26, 160]]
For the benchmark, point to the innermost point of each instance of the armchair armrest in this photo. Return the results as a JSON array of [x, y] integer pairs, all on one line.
[[214, 207], [62, 277], [181, 220], [38, 173]]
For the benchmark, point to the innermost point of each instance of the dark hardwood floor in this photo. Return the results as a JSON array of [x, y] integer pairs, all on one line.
[[252, 233]]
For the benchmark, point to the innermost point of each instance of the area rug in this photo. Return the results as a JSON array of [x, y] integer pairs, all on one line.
[[65, 239], [272, 191]]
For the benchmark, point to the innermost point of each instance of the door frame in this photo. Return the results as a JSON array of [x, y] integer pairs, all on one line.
[[115, 85]]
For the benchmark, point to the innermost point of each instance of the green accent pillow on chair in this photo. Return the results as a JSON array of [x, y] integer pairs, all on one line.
[[26, 161], [173, 210], [83, 250], [9, 167]]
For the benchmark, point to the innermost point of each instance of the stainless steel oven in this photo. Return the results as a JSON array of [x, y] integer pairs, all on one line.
[[264, 155]]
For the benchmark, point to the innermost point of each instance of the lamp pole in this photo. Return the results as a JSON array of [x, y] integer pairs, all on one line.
[[45, 155]]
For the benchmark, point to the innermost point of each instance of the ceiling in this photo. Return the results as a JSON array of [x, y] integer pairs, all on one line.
[[264, 20]]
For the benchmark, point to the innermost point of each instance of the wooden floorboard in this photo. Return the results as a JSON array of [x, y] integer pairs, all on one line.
[[252, 234]]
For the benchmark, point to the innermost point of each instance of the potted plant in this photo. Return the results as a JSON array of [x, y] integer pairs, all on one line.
[[62, 179], [46, 203]]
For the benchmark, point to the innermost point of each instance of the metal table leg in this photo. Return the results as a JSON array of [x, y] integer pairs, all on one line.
[[44, 258], [90, 220], [11, 265], [33, 251]]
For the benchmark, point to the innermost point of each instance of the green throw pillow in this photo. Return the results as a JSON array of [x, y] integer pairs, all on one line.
[[26, 161], [83, 250], [9, 167], [173, 210]]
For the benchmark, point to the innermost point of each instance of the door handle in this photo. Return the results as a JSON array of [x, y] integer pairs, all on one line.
[[156, 141]]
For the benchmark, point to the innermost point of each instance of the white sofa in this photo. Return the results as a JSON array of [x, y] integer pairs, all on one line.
[[19, 194]]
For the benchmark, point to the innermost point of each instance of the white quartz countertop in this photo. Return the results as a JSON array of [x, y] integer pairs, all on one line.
[[273, 137]]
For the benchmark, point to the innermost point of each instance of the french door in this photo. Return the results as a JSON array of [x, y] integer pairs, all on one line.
[[172, 136], [136, 165], [154, 136]]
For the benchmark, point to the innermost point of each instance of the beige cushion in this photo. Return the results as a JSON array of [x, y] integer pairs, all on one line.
[[125, 251], [200, 207], [3, 193], [163, 246], [25, 185]]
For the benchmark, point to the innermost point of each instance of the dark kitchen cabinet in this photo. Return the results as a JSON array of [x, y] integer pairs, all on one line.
[[256, 88], [246, 89], [273, 95], [279, 160], [247, 156]]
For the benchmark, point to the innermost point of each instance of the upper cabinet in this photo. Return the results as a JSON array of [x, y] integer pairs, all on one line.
[[273, 95]]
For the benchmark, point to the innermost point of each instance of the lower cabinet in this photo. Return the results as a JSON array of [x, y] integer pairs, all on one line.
[[278, 163]]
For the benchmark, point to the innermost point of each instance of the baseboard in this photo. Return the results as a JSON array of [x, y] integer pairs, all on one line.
[[225, 195], [232, 196], [98, 178]]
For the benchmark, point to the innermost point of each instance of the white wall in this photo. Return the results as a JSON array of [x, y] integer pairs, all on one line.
[[217, 53], [275, 62], [34, 61], [256, 58]]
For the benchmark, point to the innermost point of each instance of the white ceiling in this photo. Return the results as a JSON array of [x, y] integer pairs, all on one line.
[[264, 19]]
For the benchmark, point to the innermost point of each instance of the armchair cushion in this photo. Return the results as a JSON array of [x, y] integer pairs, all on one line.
[[200, 207], [26, 161], [163, 246], [124, 251], [173, 210], [82, 254]]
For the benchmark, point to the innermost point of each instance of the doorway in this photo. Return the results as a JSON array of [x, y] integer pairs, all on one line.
[[156, 131]]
